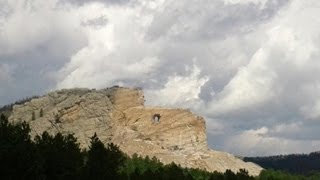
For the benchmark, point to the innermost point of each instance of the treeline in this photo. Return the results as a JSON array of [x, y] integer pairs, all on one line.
[[7, 109], [304, 164], [59, 157]]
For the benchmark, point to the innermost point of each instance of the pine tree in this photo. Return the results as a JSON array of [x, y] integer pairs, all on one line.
[[18, 154], [102, 162], [61, 156]]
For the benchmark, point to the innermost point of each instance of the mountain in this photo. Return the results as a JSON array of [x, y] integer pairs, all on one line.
[[118, 115], [293, 163]]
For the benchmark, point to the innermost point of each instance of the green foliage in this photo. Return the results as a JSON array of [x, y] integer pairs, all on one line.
[[199, 174], [140, 165], [314, 175], [60, 157], [294, 163], [279, 175], [18, 154], [102, 162], [243, 174], [173, 171]]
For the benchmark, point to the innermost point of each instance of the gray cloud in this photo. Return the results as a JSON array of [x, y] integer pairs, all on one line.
[[250, 67], [96, 22], [35, 49], [207, 20], [83, 2]]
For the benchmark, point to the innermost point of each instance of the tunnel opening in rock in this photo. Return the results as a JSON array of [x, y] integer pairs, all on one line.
[[156, 118]]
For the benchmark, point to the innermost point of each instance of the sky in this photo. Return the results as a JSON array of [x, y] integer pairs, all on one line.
[[251, 68]]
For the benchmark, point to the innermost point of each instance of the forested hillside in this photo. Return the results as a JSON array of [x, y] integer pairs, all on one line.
[[293, 163]]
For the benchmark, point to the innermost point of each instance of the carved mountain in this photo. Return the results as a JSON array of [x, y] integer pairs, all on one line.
[[118, 115]]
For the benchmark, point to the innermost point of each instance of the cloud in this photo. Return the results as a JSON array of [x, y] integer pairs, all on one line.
[[112, 55], [107, 2], [5, 73], [98, 22], [278, 70], [253, 142], [26, 27], [278, 86], [183, 91], [207, 20], [251, 86], [36, 39], [249, 67], [6, 78]]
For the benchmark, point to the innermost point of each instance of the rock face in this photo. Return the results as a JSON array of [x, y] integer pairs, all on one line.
[[118, 115]]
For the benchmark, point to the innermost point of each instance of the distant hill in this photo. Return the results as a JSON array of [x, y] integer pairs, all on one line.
[[293, 163]]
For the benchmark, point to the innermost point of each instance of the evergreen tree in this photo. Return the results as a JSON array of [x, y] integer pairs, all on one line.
[[102, 162], [173, 172], [18, 154], [61, 155], [229, 175], [216, 176], [243, 175]]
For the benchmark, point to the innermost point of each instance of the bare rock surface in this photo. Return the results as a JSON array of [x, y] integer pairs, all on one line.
[[118, 115]]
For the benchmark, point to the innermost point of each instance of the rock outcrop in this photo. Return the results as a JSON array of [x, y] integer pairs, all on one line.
[[118, 115]]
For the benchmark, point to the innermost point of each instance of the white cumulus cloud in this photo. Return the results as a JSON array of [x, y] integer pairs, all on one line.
[[250, 67]]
